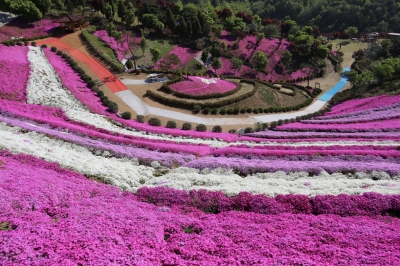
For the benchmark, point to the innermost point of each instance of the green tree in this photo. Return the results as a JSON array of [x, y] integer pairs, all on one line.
[[286, 58], [204, 55], [217, 29], [271, 31], [182, 27], [43, 5], [151, 21], [359, 79], [155, 54], [235, 24], [129, 17], [108, 12], [111, 30], [26, 9], [260, 61], [352, 31], [236, 63], [321, 51], [143, 44], [122, 10], [81, 10], [170, 20], [216, 64], [169, 61], [196, 27]]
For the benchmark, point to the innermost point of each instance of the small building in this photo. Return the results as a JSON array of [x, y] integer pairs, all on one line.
[[70, 22]]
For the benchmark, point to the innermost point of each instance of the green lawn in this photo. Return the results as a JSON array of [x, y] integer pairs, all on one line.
[[101, 47], [145, 59], [268, 96]]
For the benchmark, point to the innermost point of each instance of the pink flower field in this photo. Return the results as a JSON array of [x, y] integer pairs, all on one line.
[[122, 48], [81, 186], [14, 73], [202, 86], [185, 54], [20, 29]]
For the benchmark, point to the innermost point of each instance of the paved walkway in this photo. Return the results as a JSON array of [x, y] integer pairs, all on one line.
[[135, 103]]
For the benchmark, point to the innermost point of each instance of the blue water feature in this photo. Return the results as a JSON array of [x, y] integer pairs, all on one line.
[[329, 94]]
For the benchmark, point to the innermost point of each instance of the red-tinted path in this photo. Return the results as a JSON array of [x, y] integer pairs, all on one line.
[[109, 79]]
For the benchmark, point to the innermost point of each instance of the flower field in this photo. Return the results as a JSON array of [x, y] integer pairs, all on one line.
[[322, 191], [17, 28], [193, 85]]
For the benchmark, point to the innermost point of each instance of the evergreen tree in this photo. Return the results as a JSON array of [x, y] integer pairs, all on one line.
[[183, 27], [196, 28], [189, 29], [170, 20], [122, 10], [108, 12]]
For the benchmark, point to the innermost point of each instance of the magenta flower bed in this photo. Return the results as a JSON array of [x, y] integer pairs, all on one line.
[[122, 48], [14, 72], [19, 28], [246, 47], [227, 38], [193, 85], [363, 104], [185, 54], [268, 46], [54, 216], [368, 204]]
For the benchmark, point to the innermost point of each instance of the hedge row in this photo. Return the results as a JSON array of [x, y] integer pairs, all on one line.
[[190, 104], [112, 106], [115, 67]]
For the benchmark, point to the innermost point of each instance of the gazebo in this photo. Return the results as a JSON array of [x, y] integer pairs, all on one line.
[[70, 22]]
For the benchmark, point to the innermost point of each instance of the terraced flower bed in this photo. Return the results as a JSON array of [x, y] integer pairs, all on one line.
[[185, 197], [18, 28]]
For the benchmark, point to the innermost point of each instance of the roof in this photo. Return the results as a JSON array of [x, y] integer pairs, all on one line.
[[69, 18]]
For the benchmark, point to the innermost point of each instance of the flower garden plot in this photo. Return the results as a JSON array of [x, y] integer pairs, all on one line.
[[122, 47], [14, 73], [245, 48], [60, 200], [19, 29], [196, 86], [184, 54]]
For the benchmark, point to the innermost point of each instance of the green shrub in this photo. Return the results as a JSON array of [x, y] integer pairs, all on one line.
[[100, 93], [255, 110], [260, 110], [171, 124], [232, 131], [248, 110], [236, 110], [154, 121], [26, 43], [186, 126], [140, 118], [248, 130], [273, 124], [126, 115], [280, 122], [201, 128], [53, 49], [222, 111], [59, 52], [91, 83], [214, 111], [129, 64], [217, 129], [33, 43], [243, 110], [196, 108], [266, 110], [112, 107], [206, 110]]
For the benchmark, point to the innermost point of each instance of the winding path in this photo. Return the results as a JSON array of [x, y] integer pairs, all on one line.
[[119, 87]]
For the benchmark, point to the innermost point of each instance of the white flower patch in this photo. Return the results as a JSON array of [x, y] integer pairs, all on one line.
[[272, 184], [208, 81], [123, 173], [45, 87]]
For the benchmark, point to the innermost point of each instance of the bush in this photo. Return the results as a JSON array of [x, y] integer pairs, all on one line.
[[26, 43], [33, 43], [217, 129], [206, 110], [260, 110], [255, 110], [171, 124], [232, 131], [248, 130], [112, 107], [196, 108], [214, 111], [266, 110], [248, 110], [229, 111], [91, 83], [201, 128], [126, 115], [273, 124], [53, 49], [222, 111], [236, 110], [154, 121], [243, 110], [100, 93], [280, 122], [186, 126], [129, 64], [140, 118]]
